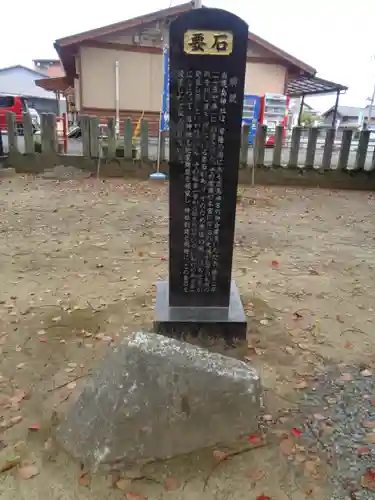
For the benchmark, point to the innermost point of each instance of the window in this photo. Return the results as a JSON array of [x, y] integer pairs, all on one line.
[[6, 101], [25, 107]]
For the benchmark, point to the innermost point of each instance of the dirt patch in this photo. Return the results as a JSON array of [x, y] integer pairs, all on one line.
[[79, 260]]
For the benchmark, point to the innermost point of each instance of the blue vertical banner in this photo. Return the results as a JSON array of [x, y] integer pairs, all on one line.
[[164, 116]]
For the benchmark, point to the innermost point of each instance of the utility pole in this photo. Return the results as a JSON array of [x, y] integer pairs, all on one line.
[[370, 108], [197, 4]]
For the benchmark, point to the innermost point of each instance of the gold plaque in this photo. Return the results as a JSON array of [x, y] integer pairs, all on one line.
[[208, 43]]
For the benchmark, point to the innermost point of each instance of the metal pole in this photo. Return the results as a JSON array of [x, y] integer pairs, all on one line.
[[197, 4], [301, 109], [1, 144], [335, 109], [117, 97]]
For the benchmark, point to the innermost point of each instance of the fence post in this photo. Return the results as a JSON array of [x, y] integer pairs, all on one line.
[[346, 142], [94, 137], [12, 133], [28, 134], [48, 133], [244, 145], [144, 140], [112, 138], [311, 147], [279, 139], [260, 145], [85, 134], [163, 136], [360, 158], [294, 148], [128, 136], [328, 148]]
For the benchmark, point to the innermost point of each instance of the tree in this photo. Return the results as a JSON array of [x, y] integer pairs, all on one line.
[[308, 118]]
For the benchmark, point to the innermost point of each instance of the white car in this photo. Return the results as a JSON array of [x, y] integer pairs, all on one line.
[[35, 119]]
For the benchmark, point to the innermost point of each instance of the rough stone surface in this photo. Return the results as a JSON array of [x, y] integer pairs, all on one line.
[[154, 397]]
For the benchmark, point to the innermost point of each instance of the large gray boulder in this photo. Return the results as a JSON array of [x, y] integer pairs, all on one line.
[[154, 397]]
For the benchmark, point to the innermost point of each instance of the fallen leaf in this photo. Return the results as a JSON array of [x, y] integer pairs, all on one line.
[[366, 373], [263, 497], [296, 431], [164, 257], [28, 471], [84, 479], [171, 484], [10, 463], [43, 339], [56, 319], [370, 438], [339, 319], [34, 427], [256, 475], [254, 439], [287, 446], [123, 484], [348, 345], [219, 455], [275, 264], [264, 321], [363, 450], [18, 397], [368, 480], [72, 385], [369, 424], [134, 496], [301, 385], [313, 272]]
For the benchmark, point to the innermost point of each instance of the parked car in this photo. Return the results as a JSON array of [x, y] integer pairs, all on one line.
[[17, 105]]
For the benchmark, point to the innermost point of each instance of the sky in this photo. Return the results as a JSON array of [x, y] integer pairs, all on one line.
[[334, 36]]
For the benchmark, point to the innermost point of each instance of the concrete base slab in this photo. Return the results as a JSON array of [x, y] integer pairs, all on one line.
[[211, 325], [153, 398]]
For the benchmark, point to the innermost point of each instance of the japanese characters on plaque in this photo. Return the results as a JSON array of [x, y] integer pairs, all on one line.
[[210, 43], [203, 97]]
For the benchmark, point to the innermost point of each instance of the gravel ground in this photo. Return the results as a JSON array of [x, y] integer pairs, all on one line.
[[79, 259]]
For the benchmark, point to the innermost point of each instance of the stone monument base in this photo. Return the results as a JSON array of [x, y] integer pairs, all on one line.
[[216, 328]]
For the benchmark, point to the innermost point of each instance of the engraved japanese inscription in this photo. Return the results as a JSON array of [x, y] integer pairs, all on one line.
[[204, 42], [206, 98]]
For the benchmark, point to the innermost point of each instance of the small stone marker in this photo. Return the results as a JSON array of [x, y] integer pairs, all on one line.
[[153, 398], [208, 49]]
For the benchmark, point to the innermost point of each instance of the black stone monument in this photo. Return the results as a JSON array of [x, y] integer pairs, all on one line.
[[208, 49]]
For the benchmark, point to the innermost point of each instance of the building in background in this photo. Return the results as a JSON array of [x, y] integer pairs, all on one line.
[[49, 67], [19, 80], [350, 117], [90, 58]]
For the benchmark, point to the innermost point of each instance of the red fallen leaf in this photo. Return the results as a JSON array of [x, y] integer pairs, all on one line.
[[296, 432], [171, 484], [368, 480], [43, 339], [348, 345], [364, 450], [84, 479], [263, 497], [275, 264], [254, 439], [34, 427], [164, 257], [134, 496]]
